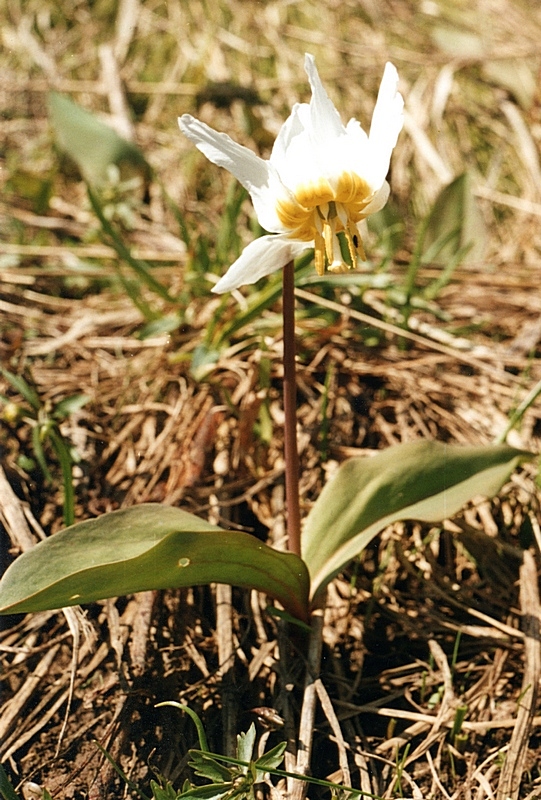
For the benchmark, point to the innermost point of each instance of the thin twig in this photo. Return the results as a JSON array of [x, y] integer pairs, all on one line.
[[332, 719], [12, 516], [226, 651], [308, 710], [226, 657], [511, 775]]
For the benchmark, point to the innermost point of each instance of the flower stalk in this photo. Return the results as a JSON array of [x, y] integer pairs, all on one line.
[[290, 413]]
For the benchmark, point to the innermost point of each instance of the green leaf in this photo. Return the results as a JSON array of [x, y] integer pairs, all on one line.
[[7, 792], [245, 744], [142, 270], [212, 791], [518, 76], [66, 463], [207, 767], [201, 735], [455, 224], [70, 405], [89, 142], [34, 189], [38, 434], [24, 388], [279, 613], [272, 759], [427, 481], [458, 42], [147, 547], [166, 792]]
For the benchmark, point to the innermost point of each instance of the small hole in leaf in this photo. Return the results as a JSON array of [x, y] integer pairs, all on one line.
[[184, 562]]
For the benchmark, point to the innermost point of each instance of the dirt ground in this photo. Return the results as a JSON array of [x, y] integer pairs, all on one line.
[[431, 637]]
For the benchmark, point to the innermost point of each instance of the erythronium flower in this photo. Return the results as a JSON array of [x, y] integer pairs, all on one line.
[[321, 180]]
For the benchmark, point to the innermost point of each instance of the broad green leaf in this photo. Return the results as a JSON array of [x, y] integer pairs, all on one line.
[[147, 547], [427, 481], [455, 224], [89, 142]]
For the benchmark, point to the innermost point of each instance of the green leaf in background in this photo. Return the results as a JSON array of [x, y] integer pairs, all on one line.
[[90, 143], [149, 546], [459, 42], [23, 387], [426, 481], [455, 224], [518, 76], [70, 405], [34, 189], [7, 792]]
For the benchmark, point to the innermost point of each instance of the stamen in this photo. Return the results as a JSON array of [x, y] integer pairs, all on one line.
[[328, 232], [320, 212], [319, 253], [338, 264]]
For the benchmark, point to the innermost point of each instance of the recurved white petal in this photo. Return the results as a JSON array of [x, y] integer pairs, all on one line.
[[258, 176], [259, 259], [379, 200], [387, 122]]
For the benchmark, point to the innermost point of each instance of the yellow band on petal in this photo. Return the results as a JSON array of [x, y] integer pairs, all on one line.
[[351, 189], [315, 193], [319, 211]]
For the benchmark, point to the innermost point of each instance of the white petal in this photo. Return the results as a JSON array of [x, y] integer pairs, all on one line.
[[379, 200], [259, 259], [326, 123], [355, 131], [258, 176], [354, 150], [293, 155], [387, 122], [292, 127]]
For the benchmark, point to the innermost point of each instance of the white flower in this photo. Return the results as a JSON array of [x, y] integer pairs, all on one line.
[[321, 180]]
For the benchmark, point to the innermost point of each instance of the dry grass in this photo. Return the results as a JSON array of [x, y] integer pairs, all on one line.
[[428, 620]]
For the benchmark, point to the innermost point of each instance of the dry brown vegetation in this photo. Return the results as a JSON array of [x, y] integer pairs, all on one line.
[[429, 620]]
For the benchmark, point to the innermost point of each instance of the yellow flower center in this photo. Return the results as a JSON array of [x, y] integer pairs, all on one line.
[[318, 212]]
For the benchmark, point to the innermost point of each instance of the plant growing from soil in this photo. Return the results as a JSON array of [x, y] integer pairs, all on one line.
[[322, 180]]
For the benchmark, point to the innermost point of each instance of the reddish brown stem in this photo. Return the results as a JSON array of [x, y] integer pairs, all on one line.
[[290, 412]]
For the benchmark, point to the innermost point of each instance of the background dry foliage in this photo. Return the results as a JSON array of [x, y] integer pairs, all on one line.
[[431, 626]]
